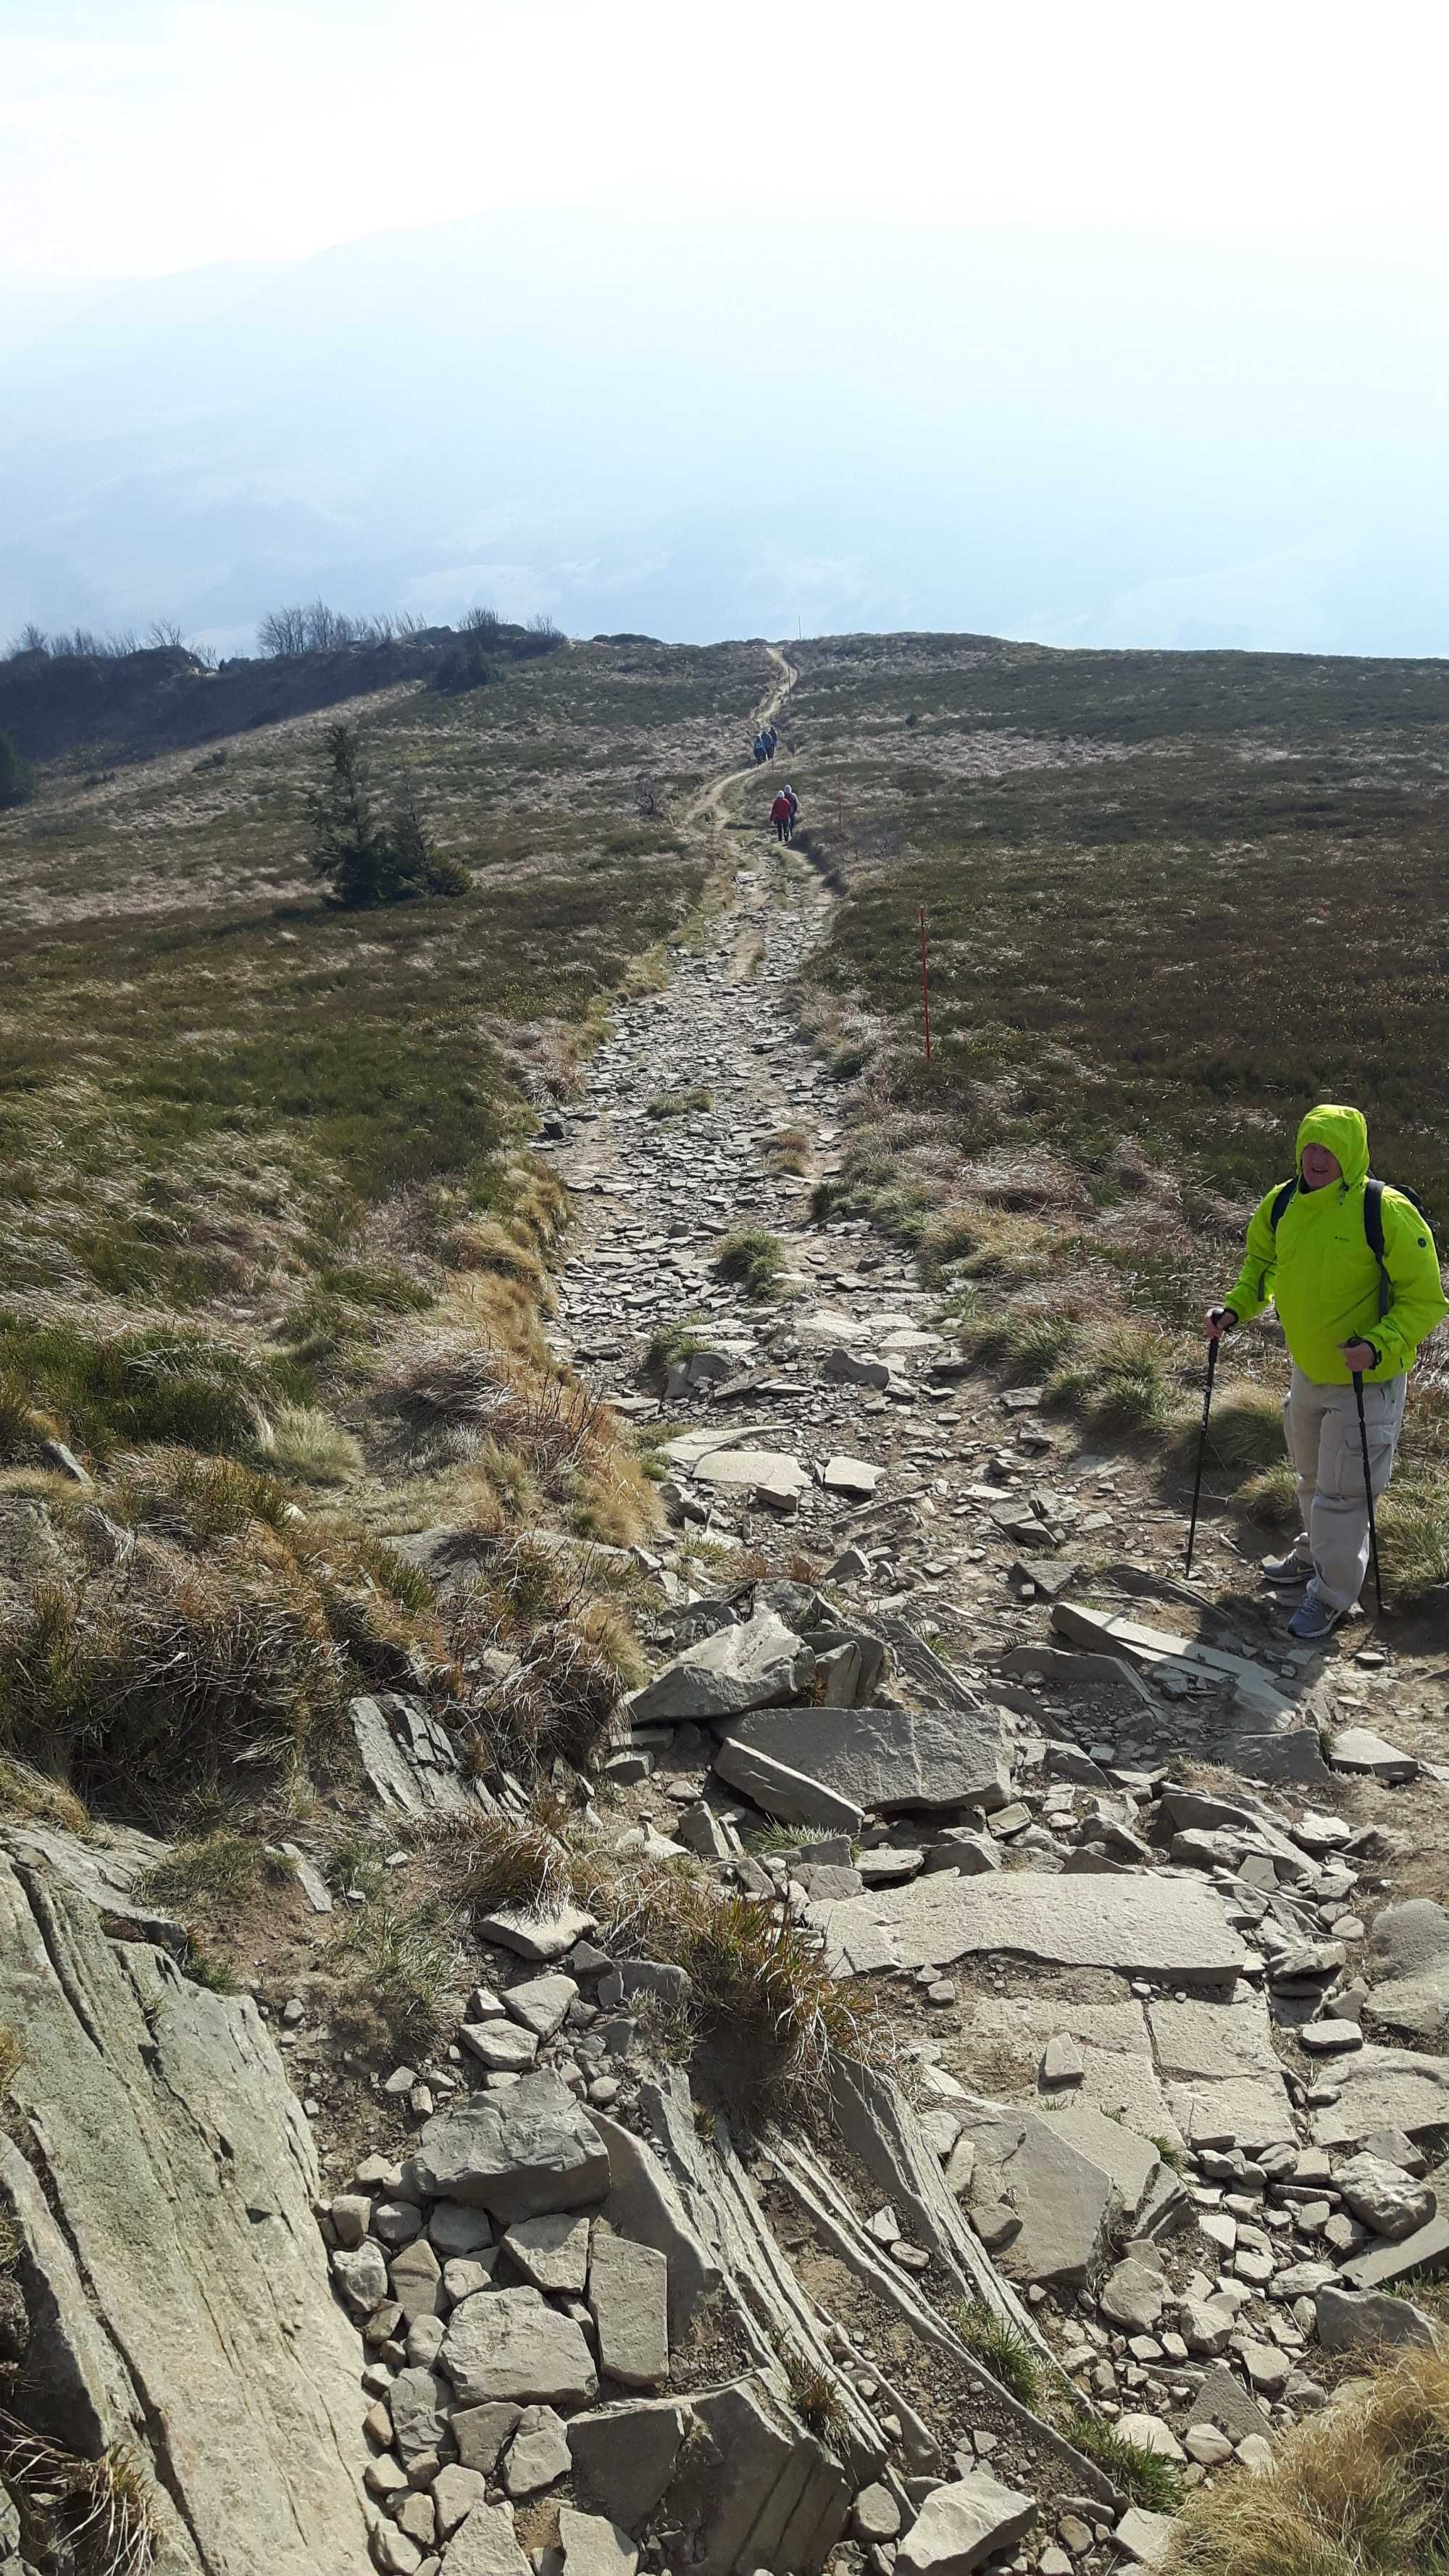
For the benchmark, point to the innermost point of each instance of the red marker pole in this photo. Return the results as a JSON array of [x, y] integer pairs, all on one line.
[[925, 987]]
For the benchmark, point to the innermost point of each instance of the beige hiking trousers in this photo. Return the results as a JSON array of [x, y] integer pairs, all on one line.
[[1321, 1427]]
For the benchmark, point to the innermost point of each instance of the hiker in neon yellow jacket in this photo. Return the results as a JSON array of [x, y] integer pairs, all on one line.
[[1342, 1314]]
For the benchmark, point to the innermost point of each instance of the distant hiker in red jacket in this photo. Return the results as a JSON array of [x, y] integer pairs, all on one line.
[[782, 816]]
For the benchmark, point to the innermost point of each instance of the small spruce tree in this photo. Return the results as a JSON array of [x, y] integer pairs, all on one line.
[[366, 862]]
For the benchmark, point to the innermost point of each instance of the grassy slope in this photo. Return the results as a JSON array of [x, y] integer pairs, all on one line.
[[1172, 901], [214, 1085], [272, 1237]]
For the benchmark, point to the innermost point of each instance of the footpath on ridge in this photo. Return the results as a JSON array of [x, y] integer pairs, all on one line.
[[1108, 1855]]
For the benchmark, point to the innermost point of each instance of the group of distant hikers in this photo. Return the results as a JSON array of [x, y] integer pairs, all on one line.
[[783, 812], [764, 745]]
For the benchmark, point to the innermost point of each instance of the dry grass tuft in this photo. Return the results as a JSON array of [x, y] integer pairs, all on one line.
[[97, 2512], [527, 1868], [214, 1652], [764, 2007], [816, 2398], [1361, 2490], [303, 1442]]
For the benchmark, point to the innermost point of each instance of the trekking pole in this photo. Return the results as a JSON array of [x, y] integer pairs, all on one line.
[[1207, 1398], [925, 986], [1368, 1489]]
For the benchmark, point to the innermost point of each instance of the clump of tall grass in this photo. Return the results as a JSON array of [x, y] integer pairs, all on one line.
[[1362, 2489], [999, 2348], [751, 1258], [1144, 2476]]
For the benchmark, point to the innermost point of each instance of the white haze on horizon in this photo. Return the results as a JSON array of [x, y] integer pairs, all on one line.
[[1110, 327]]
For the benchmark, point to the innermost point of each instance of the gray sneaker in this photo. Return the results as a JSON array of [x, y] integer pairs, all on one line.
[[1314, 1620], [1285, 1570]]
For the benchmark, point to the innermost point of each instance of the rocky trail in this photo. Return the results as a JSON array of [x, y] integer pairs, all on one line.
[[1146, 2169]]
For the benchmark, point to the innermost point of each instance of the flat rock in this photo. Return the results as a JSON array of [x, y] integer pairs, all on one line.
[[1144, 2538], [1061, 2200], [1357, 1749], [540, 2003], [1119, 2080], [500, 2046], [629, 2302], [779, 1789], [1410, 1945], [1384, 2088], [884, 1758], [750, 2491], [644, 2204], [541, 1937], [1426, 2250], [419, 2400], [157, 2134], [485, 2545], [552, 2252], [455, 2491], [538, 2455], [1223, 2400], [1351, 2319], [624, 2456], [755, 1664], [594, 2546], [854, 1477], [482, 2433], [1227, 2082], [753, 1470], [1132, 2296], [962, 2525], [1137, 1923], [519, 2153], [510, 2344], [408, 1756], [1388, 2200]]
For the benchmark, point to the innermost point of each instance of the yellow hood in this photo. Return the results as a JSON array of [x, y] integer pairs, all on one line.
[[1344, 1132]]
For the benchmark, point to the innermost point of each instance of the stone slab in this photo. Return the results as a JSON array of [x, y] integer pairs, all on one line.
[[1118, 2075], [1384, 2088], [791, 1796], [753, 1664], [518, 2154], [1060, 2199], [963, 2525], [884, 1758], [1142, 1921], [511, 2345], [179, 2178], [629, 2303]]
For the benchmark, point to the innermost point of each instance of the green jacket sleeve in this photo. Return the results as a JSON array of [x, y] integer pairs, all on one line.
[[1416, 1295], [1253, 1286]]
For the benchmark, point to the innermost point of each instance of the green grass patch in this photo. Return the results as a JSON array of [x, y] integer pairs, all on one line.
[[1147, 2480], [999, 2348], [751, 1258]]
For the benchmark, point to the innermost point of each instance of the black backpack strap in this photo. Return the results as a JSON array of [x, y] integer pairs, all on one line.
[[1373, 1218], [1279, 1207]]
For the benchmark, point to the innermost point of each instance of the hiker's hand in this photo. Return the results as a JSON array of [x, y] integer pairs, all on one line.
[[1358, 1356], [1220, 1320]]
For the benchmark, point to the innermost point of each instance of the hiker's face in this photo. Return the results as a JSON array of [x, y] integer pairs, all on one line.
[[1320, 1167]]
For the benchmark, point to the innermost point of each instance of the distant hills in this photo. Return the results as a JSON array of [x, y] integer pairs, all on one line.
[[699, 432]]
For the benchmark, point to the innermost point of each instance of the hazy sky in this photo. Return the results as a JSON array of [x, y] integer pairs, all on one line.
[[138, 137], [1107, 323]]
